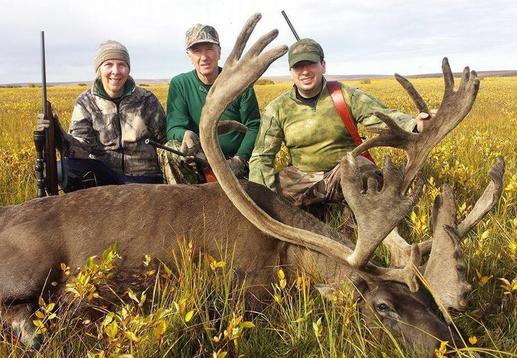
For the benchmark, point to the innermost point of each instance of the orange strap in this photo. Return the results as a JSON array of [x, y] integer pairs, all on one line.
[[341, 107]]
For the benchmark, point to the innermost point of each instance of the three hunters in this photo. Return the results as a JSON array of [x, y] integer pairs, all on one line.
[[106, 140]]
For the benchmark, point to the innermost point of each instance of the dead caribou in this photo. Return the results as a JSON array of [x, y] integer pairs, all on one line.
[[264, 230]]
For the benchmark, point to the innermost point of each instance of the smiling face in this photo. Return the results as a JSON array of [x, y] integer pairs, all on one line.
[[113, 74], [307, 77], [205, 58]]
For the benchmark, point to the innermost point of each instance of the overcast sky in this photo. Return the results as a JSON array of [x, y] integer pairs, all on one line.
[[371, 37]]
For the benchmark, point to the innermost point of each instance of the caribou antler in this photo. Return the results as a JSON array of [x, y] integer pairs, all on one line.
[[239, 73], [445, 269], [455, 105], [484, 204], [377, 212]]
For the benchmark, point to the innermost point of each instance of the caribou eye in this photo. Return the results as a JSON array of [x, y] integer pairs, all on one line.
[[382, 307]]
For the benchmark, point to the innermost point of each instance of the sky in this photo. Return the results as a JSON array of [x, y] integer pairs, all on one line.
[[358, 37]]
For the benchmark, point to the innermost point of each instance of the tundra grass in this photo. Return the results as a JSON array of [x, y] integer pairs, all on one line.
[[297, 322]]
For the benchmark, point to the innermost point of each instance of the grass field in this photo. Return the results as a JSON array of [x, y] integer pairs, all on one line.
[[194, 312]]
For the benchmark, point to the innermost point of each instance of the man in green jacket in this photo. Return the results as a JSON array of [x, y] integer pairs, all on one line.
[[306, 121], [187, 95]]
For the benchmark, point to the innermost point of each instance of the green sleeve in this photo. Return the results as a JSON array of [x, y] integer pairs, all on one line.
[[250, 117], [177, 113], [364, 106], [269, 141]]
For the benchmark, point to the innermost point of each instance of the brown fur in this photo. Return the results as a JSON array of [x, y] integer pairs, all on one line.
[[149, 219]]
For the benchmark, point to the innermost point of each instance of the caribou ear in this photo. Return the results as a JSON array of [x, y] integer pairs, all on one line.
[[359, 286], [326, 291]]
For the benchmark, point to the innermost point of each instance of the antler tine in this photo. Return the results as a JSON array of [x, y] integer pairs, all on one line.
[[456, 104], [413, 93], [231, 125], [243, 38], [488, 199], [484, 204], [239, 73], [376, 212], [406, 274], [445, 270], [392, 136], [398, 248], [448, 77]]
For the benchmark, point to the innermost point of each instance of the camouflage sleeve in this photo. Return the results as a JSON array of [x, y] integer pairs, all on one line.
[[81, 139], [250, 117], [363, 108], [157, 120], [269, 141]]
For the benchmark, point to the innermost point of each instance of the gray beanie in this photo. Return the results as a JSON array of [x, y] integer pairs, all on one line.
[[111, 50]]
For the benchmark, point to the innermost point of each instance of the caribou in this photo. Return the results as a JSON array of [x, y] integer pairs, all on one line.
[[264, 230]]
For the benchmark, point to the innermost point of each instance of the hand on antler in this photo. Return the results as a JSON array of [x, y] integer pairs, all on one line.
[[423, 120]]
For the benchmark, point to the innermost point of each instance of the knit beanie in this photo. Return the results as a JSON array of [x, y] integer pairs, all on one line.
[[111, 50]]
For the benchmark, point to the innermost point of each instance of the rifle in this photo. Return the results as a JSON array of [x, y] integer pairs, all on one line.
[[290, 26], [45, 141], [201, 163]]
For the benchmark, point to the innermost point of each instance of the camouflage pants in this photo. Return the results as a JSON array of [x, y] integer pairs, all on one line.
[[177, 170], [304, 189]]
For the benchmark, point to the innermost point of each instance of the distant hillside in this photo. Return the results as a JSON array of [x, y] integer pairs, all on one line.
[[505, 73], [286, 78]]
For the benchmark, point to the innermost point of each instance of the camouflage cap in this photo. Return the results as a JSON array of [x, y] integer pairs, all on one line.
[[305, 50], [201, 33]]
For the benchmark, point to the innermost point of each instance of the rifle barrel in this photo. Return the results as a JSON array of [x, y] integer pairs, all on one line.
[[164, 147], [43, 76], [291, 26]]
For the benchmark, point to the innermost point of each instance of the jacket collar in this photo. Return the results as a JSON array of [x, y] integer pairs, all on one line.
[[323, 92], [98, 89]]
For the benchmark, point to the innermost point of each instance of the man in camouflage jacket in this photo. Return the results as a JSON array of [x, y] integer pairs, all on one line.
[[306, 121], [110, 122]]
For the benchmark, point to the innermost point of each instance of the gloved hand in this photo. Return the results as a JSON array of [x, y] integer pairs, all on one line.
[[368, 170], [423, 120], [190, 144], [61, 137], [42, 123], [238, 166]]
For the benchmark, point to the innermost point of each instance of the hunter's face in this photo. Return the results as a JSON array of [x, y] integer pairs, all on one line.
[[307, 77], [205, 58], [114, 74]]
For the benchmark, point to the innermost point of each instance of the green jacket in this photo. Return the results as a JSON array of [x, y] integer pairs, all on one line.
[[314, 136], [186, 98]]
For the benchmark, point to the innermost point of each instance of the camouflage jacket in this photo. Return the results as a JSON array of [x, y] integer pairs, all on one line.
[[113, 130], [314, 135]]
